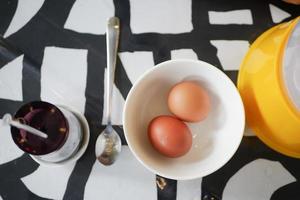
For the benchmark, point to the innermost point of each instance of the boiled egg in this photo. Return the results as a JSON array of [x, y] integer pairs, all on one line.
[[189, 101], [170, 136]]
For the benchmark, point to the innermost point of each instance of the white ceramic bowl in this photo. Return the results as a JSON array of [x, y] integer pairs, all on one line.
[[215, 139]]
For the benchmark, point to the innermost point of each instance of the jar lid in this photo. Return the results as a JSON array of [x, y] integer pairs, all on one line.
[[291, 67]]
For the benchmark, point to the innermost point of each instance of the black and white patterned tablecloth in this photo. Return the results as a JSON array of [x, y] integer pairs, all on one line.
[[65, 39]]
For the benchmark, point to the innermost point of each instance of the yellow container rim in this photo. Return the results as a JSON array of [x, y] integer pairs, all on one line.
[[288, 102]]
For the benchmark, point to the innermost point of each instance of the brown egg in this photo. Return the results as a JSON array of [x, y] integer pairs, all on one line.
[[169, 136], [189, 101]]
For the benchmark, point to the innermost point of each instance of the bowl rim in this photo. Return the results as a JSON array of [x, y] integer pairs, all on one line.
[[157, 67]]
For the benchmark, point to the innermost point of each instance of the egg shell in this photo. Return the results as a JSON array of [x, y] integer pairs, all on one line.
[[170, 136], [189, 101]]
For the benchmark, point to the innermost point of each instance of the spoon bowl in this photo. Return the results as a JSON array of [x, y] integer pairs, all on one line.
[[108, 146]]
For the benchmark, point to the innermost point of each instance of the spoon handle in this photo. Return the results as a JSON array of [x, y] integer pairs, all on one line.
[[112, 42], [28, 129], [7, 120]]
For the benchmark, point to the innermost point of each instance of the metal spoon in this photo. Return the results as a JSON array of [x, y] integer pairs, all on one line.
[[108, 144]]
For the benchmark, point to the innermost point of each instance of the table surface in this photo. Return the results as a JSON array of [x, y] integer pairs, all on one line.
[[66, 41]]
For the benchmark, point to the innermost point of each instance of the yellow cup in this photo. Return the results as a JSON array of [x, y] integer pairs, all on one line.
[[270, 111]]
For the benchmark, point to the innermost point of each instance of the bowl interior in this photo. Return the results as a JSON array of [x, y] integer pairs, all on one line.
[[214, 140]]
